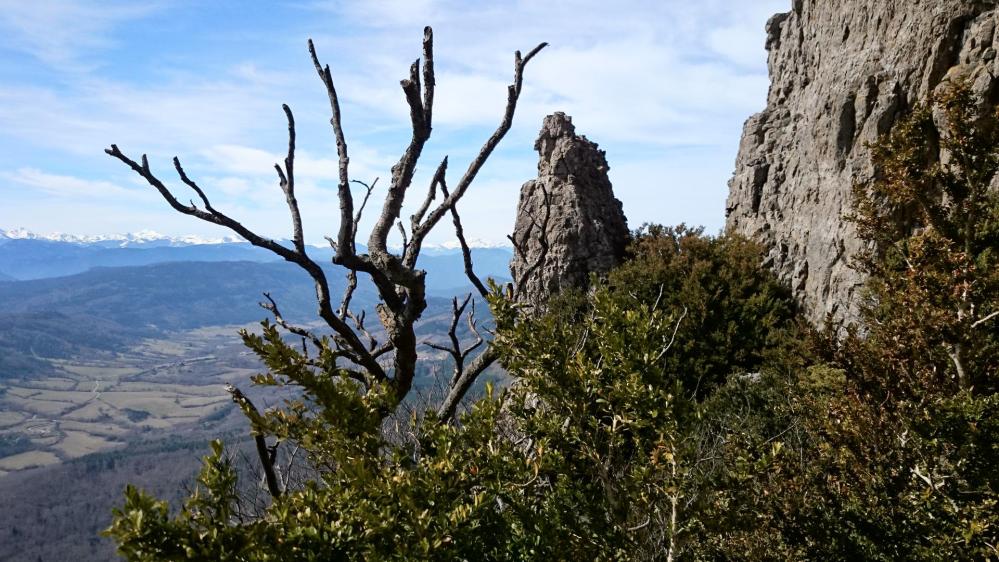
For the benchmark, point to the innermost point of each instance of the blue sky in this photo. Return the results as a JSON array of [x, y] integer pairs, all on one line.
[[663, 86]]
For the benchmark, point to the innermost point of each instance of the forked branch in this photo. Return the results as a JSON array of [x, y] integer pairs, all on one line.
[[463, 376], [400, 285], [267, 454], [513, 95]]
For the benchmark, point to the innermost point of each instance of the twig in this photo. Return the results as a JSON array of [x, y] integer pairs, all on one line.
[[271, 306], [345, 236], [266, 454], [984, 320], [673, 338], [466, 252]]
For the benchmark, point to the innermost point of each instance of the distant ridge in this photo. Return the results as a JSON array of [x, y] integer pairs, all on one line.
[[151, 238], [26, 256]]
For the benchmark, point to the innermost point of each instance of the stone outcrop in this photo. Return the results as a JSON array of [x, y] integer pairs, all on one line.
[[842, 73], [569, 224]]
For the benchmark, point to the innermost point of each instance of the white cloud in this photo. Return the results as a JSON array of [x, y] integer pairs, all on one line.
[[67, 186], [662, 73], [646, 80], [61, 32], [168, 118]]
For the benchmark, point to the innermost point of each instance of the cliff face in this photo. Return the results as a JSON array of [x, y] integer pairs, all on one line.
[[842, 73], [569, 224]]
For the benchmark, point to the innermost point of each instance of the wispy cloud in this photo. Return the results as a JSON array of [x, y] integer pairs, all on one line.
[[180, 115], [663, 86], [68, 187], [63, 33]]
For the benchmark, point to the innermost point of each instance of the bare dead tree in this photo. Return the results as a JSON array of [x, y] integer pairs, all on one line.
[[400, 284]]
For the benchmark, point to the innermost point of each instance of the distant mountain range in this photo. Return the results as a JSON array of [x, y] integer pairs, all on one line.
[[62, 296], [28, 256], [146, 238], [102, 310], [152, 239]]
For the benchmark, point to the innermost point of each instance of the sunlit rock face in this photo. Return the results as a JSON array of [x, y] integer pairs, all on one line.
[[571, 208], [842, 73]]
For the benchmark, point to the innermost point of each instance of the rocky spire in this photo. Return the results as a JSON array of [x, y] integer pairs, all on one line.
[[569, 224]]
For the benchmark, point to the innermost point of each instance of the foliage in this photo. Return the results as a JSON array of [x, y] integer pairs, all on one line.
[[932, 222], [926, 372], [898, 460], [677, 411], [735, 312], [596, 452]]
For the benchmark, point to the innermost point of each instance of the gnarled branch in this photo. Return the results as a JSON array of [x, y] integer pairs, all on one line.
[[400, 285]]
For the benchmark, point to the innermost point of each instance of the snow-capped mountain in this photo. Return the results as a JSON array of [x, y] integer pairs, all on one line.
[[25, 255], [454, 247], [143, 238], [475, 243], [152, 239]]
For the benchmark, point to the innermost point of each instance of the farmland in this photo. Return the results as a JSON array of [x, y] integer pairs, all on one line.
[[87, 405]]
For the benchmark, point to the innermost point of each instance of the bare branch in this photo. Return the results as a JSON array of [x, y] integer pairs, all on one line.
[[518, 247], [954, 352], [348, 293], [402, 231], [513, 94], [271, 306], [359, 324], [984, 320], [185, 179], [464, 382], [286, 480], [402, 171], [400, 285], [414, 220], [303, 261], [462, 378], [360, 210], [459, 357], [428, 75], [288, 184], [673, 338], [473, 327], [466, 252], [266, 454], [345, 236]]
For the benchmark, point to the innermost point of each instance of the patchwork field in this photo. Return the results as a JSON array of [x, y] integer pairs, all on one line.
[[87, 406]]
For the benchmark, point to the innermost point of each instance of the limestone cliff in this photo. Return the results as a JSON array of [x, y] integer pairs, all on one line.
[[842, 73], [569, 224]]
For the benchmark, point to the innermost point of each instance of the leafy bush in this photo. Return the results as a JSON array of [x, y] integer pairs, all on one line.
[[735, 312], [678, 411], [595, 453]]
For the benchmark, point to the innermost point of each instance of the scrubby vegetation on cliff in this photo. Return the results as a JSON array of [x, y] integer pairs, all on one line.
[[679, 410]]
